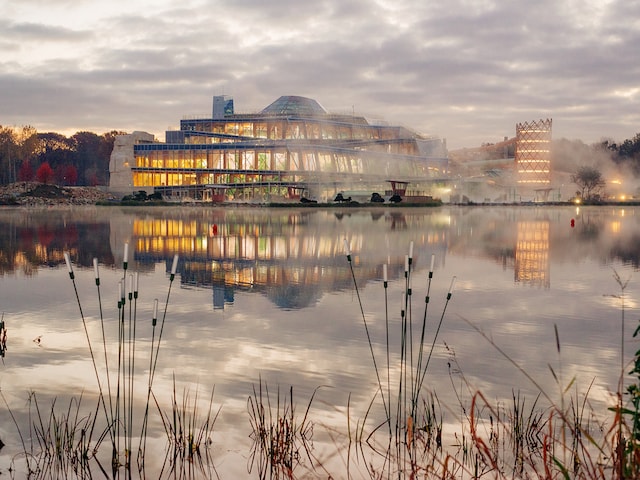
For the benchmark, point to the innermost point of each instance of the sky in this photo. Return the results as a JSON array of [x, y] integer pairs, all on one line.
[[464, 70]]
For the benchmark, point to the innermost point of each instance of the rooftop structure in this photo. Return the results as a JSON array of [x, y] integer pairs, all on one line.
[[291, 148]]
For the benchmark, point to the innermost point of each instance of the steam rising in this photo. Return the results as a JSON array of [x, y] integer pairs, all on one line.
[[569, 155]]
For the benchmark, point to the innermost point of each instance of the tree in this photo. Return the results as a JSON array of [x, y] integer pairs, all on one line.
[[8, 152], [25, 174], [630, 148], [66, 174], [590, 182], [70, 175], [44, 174], [87, 147]]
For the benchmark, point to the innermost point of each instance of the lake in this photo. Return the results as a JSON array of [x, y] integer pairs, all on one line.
[[267, 298]]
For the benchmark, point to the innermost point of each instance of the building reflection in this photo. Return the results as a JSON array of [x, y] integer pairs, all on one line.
[[530, 240], [532, 253], [292, 258]]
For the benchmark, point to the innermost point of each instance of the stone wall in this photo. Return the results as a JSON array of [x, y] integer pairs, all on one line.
[[122, 159]]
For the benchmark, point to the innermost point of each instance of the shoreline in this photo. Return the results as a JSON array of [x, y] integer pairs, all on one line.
[[35, 195]]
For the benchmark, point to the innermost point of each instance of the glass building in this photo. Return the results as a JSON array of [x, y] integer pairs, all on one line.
[[291, 149]]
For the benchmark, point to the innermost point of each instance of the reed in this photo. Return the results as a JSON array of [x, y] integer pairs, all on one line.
[[630, 446], [190, 436], [281, 440], [575, 440], [565, 438], [63, 443], [65, 437], [3, 338], [409, 420], [627, 413]]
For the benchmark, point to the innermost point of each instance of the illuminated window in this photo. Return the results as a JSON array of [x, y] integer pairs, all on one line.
[[281, 161]]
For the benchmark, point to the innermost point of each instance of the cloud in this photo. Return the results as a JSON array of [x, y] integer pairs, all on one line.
[[466, 71]]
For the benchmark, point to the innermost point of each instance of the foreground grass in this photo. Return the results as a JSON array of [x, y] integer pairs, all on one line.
[[539, 439], [110, 439]]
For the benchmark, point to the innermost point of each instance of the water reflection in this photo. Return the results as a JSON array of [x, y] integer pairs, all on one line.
[[295, 256], [532, 253], [268, 294], [38, 238], [292, 257]]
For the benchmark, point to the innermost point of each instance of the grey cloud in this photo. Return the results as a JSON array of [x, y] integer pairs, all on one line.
[[19, 32], [454, 69]]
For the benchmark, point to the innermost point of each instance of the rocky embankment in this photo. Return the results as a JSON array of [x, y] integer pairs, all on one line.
[[39, 194]]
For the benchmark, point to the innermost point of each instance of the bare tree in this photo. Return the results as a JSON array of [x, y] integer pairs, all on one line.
[[589, 181]]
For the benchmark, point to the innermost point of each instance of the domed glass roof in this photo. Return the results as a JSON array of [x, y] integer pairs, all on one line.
[[293, 105]]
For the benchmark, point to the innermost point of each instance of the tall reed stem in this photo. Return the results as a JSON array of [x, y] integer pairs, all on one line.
[[366, 327], [119, 411], [153, 359], [86, 332]]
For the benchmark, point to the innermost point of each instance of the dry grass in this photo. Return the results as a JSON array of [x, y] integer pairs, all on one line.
[[282, 442]]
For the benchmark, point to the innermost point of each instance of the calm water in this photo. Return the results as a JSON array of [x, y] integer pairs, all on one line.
[[268, 294]]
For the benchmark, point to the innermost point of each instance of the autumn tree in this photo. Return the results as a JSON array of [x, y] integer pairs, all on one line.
[[71, 174], [25, 174], [589, 181], [45, 173], [55, 149], [87, 152], [66, 174], [8, 151]]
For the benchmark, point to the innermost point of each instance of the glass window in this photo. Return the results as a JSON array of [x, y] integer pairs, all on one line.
[[309, 163], [263, 161], [356, 165], [281, 161], [188, 161], [248, 160], [200, 159], [232, 160], [231, 128], [325, 163], [260, 130], [215, 159], [313, 131], [294, 163], [246, 129], [341, 163]]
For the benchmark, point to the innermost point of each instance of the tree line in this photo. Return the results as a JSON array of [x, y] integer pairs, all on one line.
[[626, 153], [589, 177], [81, 159]]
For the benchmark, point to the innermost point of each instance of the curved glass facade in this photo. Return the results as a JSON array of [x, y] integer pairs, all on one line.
[[290, 147]]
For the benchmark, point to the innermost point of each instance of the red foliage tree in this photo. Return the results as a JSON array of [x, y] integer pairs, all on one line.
[[25, 174], [93, 179], [66, 174], [44, 174], [71, 174]]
